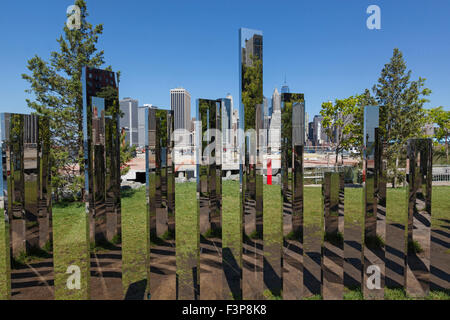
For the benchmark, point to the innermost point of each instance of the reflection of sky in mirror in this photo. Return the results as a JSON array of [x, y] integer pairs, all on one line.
[[246, 34], [371, 117]]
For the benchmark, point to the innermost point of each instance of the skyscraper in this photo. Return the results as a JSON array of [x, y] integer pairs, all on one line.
[[141, 123], [276, 101], [129, 121], [285, 87], [226, 120], [180, 103]]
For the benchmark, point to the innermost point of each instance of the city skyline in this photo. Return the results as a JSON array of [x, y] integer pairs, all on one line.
[[331, 53]]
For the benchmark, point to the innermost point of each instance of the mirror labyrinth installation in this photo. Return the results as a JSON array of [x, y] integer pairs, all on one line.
[[190, 226]]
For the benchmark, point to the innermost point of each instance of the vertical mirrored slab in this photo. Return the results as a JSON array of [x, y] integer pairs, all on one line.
[[396, 220], [440, 237], [292, 146], [135, 215], [100, 98], [353, 226], [5, 256], [27, 236], [209, 182], [231, 214], [313, 239], [251, 122], [420, 161], [161, 206], [374, 221], [333, 245]]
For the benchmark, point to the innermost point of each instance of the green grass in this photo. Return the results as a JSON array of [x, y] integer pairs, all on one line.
[[70, 244]]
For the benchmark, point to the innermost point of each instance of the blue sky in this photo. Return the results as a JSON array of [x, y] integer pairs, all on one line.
[[322, 47]]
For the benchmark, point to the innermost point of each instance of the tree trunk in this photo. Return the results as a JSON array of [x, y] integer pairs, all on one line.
[[337, 157], [395, 172], [447, 148]]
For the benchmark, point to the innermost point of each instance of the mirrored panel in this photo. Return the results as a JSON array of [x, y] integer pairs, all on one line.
[[353, 226], [251, 122], [292, 146], [231, 214], [209, 182], [27, 235], [313, 216], [333, 245], [102, 181], [161, 203], [374, 219], [396, 219], [135, 215], [419, 175]]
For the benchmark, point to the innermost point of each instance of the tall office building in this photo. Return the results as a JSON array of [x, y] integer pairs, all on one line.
[[180, 103], [253, 49], [318, 132], [285, 87], [226, 120], [129, 121], [276, 101], [234, 128], [141, 123], [306, 125]]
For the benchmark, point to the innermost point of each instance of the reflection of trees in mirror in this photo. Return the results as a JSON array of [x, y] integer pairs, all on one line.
[[35, 254], [374, 242], [213, 233], [294, 235], [268, 295], [252, 90], [414, 247], [335, 238]]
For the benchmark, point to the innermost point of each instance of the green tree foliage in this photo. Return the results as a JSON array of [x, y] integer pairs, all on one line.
[[252, 90], [441, 118], [56, 85], [126, 153], [342, 123], [402, 115]]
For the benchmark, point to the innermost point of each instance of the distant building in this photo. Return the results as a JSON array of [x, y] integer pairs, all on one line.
[[285, 87], [317, 130], [306, 125], [234, 128], [129, 121], [253, 48], [141, 123], [180, 103], [276, 100], [226, 106]]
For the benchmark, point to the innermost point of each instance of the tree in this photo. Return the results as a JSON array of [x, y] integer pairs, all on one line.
[[401, 109], [441, 118], [57, 88], [341, 122]]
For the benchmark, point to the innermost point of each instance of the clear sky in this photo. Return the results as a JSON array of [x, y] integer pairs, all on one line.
[[322, 47]]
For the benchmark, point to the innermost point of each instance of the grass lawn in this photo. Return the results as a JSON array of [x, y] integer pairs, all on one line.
[[71, 245]]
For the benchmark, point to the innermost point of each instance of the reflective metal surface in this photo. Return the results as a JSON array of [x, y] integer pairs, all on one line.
[[419, 176], [161, 203], [374, 218], [251, 165], [102, 181], [25, 199], [292, 144], [333, 245], [209, 194]]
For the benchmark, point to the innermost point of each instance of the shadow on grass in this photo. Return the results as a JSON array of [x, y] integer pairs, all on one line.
[[34, 254]]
